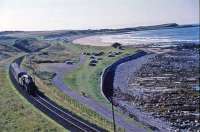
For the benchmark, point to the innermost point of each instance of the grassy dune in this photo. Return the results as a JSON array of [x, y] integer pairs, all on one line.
[[17, 115]]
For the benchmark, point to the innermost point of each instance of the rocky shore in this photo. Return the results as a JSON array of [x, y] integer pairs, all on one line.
[[165, 88]]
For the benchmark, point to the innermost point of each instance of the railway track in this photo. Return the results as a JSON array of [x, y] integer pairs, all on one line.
[[62, 116], [66, 117]]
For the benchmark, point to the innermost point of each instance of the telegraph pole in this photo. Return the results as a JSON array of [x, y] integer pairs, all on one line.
[[113, 114]]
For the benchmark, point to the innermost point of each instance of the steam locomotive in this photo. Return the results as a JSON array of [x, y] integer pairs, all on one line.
[[24, 80]]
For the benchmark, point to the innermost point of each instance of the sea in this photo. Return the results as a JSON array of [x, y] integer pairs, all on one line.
[[186, 34]]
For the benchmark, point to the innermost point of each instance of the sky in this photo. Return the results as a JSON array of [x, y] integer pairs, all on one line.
[[94, 14]]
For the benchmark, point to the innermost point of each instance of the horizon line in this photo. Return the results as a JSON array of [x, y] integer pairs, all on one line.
[[80, 29]]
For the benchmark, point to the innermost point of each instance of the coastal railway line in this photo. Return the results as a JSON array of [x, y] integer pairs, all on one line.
[[62, 116]]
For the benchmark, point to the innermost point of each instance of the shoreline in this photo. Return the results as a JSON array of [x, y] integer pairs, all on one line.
[[98, 40], [123, 95]]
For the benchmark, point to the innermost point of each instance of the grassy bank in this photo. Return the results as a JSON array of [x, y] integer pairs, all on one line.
[[17, 115]]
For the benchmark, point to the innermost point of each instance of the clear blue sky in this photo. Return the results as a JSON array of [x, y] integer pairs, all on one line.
[[84, 14]]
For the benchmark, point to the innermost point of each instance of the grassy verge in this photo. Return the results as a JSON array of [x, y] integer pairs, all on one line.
[[17, 115]]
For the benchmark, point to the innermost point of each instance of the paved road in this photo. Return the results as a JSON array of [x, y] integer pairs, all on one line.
[[96, 106]]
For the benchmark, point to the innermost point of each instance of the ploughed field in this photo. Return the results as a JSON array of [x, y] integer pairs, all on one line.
[[167, 87]]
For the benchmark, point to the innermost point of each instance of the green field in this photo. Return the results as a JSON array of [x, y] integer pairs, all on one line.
[[86, 79]]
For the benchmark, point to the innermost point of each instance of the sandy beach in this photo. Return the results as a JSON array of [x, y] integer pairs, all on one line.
[[91, 40]]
